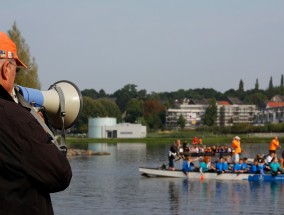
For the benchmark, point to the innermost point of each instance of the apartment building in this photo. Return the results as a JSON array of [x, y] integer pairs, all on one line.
[[228, 113]]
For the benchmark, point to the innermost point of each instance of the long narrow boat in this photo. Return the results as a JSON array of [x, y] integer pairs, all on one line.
[[156, 172]]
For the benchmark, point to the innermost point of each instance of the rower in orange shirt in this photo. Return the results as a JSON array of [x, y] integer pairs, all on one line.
[[195, 140], [236, 145], [274, 145]]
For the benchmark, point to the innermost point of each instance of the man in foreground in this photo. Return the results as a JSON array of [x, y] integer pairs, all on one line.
[[31, 166]]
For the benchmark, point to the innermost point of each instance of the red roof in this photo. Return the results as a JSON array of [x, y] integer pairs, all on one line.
[[274, 104], [223, 103]]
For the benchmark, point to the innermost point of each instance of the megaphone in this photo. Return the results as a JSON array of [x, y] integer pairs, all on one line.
[[62, 102]]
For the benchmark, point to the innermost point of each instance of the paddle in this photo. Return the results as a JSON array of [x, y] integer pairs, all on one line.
[[202, 177]]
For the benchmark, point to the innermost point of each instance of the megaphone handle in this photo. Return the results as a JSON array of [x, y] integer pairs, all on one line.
[[24, 103], [62, 114]]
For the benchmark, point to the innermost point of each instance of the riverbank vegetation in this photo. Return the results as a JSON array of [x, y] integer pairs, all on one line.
[[208, 138]]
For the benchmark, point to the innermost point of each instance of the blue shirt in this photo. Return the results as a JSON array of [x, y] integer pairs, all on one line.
[[244, 166], [254, 168], [237, 167], [225, 166], [186, 167], [219, 166]]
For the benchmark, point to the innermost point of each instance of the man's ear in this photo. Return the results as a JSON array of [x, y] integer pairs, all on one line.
[[4, 71]]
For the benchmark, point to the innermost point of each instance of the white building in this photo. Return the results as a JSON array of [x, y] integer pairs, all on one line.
[[227, 115], [193, 111], [272, 113], [108, 128]]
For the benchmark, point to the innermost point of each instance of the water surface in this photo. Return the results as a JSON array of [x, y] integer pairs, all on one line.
[[112, 185]]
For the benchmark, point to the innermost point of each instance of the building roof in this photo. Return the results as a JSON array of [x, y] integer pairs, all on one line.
[[277, 98], [235, 101], [272, 104], [223, 103], [198, 101]]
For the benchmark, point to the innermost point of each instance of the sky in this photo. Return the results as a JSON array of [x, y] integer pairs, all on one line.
[[158, 45]]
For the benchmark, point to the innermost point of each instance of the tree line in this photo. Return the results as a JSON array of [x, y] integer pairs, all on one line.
[[135, 106]]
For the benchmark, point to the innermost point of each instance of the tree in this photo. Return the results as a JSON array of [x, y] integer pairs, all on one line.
[[256, 85], [102, 93], [241, 86], [90, 93], [154, 113], [257, 99], [210, 115], [181, 122], [134, 110], [270, 87], [282, 81], [110, 107], [124, 95], [26, 77]]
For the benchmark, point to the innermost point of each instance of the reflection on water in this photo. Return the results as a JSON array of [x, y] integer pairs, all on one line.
[[111, 184]]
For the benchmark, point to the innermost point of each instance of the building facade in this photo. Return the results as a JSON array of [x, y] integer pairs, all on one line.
[[108, 128], [227, 115], [272, 113], [193, 111]]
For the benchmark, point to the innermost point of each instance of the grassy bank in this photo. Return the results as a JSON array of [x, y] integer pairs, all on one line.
[[169, 137]]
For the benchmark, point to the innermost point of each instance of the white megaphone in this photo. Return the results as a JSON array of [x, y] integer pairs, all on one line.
[[62, 102]]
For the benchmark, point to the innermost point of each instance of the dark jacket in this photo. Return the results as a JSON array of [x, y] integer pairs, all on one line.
[[174, 151], [31, 166]]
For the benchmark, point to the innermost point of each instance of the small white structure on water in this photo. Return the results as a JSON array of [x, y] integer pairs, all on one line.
[[108, 128], [96, 126]]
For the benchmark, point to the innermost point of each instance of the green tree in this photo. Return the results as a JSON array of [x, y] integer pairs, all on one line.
[[181, 122], [282, 81], [91, 108], [26, 77], [270, 86], [256, 87], [124, 95], [154, 121], [110, 107], [102, 93], [154, 110], [241, 86], [90, 93], [257, 99], [134, 110], [210, 115]]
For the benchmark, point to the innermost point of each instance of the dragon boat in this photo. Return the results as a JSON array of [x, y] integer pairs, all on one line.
[[158, 172]]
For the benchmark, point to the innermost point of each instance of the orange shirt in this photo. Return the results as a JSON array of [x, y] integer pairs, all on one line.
[[236, 145], [195, 140], [274, 144]]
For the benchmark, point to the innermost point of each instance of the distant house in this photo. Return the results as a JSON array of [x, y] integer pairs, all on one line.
[[273, 112], [228, 112], [277, 98]]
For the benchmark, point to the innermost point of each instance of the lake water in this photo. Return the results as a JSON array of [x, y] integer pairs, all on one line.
[[111, 184]]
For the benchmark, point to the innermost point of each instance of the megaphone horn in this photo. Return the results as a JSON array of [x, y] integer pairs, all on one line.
[[62, 101]]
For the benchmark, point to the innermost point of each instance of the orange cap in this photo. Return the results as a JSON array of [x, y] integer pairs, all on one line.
[[8, 49]]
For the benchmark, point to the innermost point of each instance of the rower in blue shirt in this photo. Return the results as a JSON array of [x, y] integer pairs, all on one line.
[[238, 167], [188, 165], [254, 167], [225, 165], [219, 166], [245, 166]]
